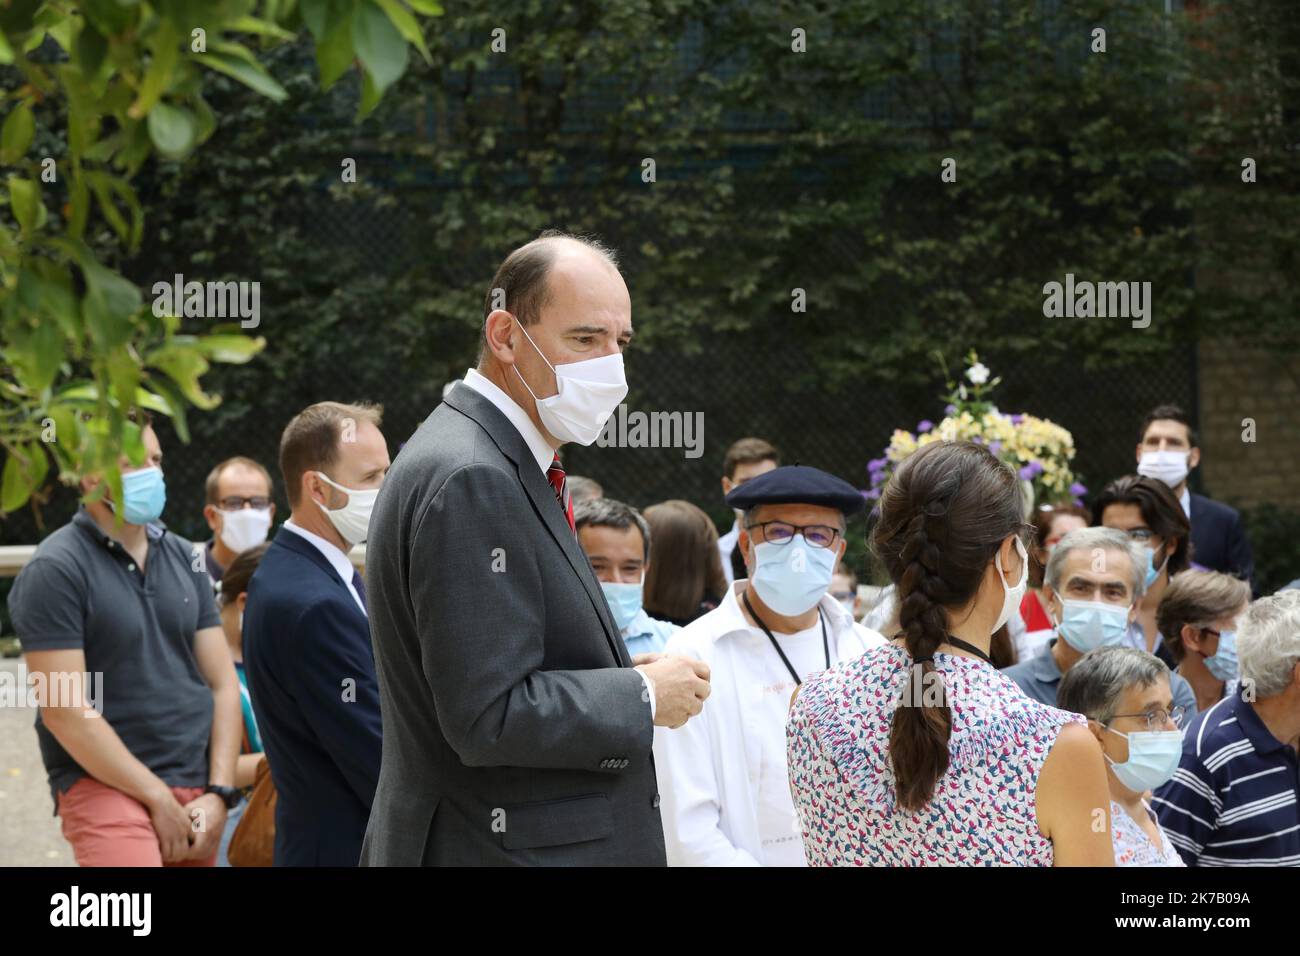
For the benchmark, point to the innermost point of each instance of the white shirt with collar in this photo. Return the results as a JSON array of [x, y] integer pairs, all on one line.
[[1185, 499], [334, 555], [542, 451], [533, 438], [723, 776]]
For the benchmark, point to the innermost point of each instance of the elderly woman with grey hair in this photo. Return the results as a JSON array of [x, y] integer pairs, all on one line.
[[1124, 693]]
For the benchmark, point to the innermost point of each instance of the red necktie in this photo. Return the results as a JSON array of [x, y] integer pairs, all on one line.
[[555, 475]]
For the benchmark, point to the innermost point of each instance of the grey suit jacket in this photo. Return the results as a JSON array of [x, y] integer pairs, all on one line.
[[515, 729]]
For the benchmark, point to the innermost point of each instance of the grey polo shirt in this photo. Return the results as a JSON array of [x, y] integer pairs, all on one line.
[[82, 590], [1039, 678]]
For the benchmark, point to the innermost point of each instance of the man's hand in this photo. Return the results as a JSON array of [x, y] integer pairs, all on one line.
[[207, 813], [640, 659], [681, 684], [171, 822]]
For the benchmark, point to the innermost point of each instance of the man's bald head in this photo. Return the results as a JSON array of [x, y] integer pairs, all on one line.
[[521, 285]]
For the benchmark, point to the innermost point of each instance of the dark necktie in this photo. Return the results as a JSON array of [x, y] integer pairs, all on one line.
[[360, 588], [555, 475]]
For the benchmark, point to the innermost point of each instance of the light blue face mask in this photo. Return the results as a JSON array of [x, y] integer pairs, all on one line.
[[1223, 663], [624, 601], [792, 577], [1153, 756], [1088, 625], [1152, 571], [143, 496]]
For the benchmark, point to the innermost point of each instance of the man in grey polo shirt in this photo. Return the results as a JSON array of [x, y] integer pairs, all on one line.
[[141, 752], [1093, 581]]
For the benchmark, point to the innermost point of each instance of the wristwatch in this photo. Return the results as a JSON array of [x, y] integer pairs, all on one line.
[[230, 796]]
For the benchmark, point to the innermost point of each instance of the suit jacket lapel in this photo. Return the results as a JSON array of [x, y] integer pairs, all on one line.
[[507, 438]]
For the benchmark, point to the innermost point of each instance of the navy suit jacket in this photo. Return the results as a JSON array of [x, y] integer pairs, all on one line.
[[1219, 540], [311, 677]]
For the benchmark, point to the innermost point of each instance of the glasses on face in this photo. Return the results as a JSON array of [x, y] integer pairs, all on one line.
[[782, 533], [235, 503], [1156, 718]]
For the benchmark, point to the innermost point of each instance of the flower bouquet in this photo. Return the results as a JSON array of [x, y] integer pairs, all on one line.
[[1038, 449]]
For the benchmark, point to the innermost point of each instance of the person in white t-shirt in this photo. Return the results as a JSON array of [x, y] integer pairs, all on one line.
[[722, 777]]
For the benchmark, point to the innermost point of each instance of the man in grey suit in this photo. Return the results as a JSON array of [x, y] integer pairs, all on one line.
[[516, 728]]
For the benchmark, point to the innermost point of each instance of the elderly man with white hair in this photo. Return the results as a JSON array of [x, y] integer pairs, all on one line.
[[1233, 800], [1092, 586]]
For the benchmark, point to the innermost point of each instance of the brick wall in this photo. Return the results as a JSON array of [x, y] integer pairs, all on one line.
[[1238, 381]]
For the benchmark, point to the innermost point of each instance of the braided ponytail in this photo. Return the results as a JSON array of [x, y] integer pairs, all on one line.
[[942, 517]]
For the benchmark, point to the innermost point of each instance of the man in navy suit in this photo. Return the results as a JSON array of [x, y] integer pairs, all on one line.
[[1167, 449], [307, 650]]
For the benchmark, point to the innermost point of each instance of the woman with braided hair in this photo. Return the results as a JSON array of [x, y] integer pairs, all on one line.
[[920, 752]]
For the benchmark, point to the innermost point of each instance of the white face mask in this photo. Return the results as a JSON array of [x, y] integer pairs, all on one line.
[[352, 521], [589, 392], [1167, 466], [244, 528], [1012, 597]]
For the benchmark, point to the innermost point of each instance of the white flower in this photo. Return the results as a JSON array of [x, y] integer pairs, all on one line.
[[978, 373]]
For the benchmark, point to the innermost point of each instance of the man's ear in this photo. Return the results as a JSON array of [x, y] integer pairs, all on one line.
[[1049, 595], [210, 513], [242, 601], [743, 542], [498, 331], [727, 485], [1193, 458], [1191, 637], [1137, 455]]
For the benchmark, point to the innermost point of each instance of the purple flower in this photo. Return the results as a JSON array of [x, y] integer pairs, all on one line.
[[924, 425], [871, 494], [950, 409], [1078, 490], [877, 465], [995, 447], [1031, 470], [1017, 418]]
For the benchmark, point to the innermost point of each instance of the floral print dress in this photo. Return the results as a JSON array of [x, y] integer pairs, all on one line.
[[983, 810]]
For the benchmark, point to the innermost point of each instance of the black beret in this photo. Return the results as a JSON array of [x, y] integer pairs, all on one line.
[[797, 484]]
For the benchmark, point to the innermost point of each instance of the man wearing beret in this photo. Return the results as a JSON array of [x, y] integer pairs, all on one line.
[[722, 776]]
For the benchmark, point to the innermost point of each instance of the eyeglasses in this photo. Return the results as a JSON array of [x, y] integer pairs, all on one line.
[[782, 533], [235, 503], [1156, 718]]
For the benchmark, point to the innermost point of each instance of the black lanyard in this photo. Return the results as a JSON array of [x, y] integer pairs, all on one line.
[[826, 647], [958, 642]]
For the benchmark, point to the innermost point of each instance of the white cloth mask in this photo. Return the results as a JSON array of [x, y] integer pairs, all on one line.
[[244, 528], [588, 393]]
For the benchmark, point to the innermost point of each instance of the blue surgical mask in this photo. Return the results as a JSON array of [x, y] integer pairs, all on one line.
[[792, 577], [1088, 625], [624, 602], [1153, 756], [143, 496], [1223, 663], [1152, 571]]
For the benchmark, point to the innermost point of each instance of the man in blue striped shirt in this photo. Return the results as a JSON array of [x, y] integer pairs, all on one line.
[[1235, 798]]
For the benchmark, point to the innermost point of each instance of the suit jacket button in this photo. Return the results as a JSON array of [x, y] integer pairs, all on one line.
[[624, 763], [604, 765], [655, 802]]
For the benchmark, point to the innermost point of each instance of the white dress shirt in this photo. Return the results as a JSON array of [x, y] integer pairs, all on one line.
[[1185, 499], [542, 451], [723, 775], [335, 556]]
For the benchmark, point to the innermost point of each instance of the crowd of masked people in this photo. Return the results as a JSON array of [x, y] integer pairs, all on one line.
[[241, 712]]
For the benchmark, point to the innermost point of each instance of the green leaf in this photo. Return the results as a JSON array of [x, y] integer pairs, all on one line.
[[234, 349], [184, 364], [16, 135], [173, 129], [109, 304], [22, 476], [254, 77], [427, 7], [379, 45], [25, 200], [334, 54], [67, 437], [44, 356], [89, 49], [164, 47], [260, 27], [406, 25], [172, 395], [78, 204], [370, 94]]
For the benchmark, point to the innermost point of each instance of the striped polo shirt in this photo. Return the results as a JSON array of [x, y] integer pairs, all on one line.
[[1233, 799]]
